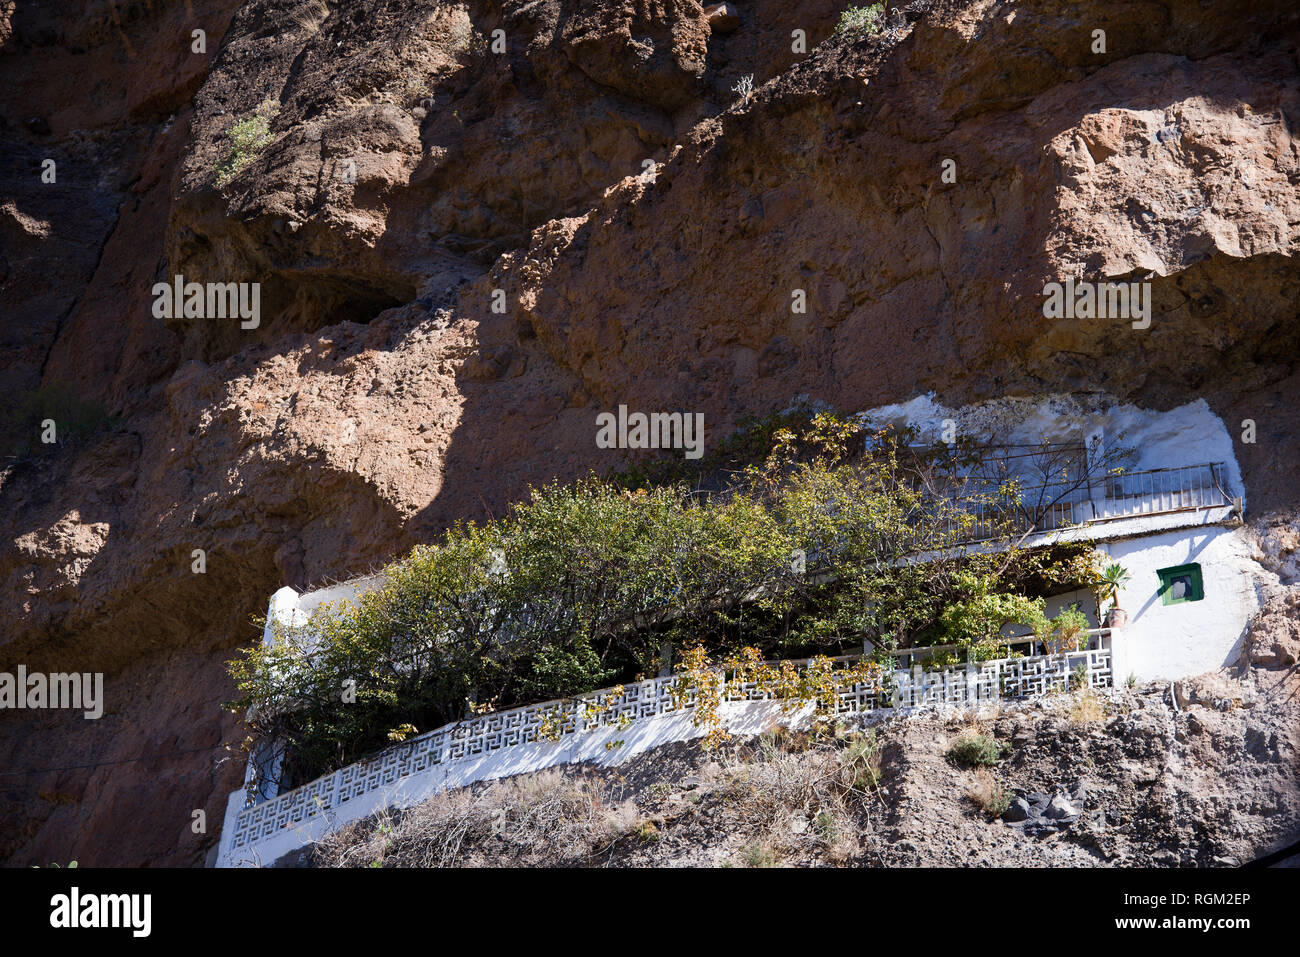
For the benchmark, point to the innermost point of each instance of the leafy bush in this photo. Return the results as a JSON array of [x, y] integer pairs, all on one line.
[[248, 137], [977, 621], [1068, 631], [862, 19], [586, 584], [972, 749]]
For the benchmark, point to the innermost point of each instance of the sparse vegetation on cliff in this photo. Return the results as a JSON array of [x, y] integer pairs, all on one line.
[[861, 19], [248, 137], [973, 749]]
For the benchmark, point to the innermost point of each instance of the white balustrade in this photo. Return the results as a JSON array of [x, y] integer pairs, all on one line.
[[348, 794]]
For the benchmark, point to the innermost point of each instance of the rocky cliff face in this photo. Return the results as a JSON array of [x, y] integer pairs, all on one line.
[[411, 169]]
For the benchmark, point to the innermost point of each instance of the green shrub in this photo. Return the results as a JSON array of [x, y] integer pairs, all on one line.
[[862, 19], [973, 749], [759, 854], [1068, 631], [248, 137], [977, 621]]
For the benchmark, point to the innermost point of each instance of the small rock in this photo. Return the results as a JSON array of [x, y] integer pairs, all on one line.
[[1038, 801], [37, 125], [1060, 809], [722, 18], [1018, 811], [752, 210]]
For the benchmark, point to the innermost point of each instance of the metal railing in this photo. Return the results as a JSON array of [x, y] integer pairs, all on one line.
[[1162, 490], [1111, 497], [1022, 645]]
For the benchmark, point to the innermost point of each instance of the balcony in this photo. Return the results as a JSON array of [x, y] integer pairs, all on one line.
[[1114, 498]]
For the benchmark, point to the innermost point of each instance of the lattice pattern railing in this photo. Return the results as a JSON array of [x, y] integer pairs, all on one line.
[[918, 688]]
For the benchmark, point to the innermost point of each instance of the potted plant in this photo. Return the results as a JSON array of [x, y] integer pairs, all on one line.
[[1069, 631], [1114, 577]]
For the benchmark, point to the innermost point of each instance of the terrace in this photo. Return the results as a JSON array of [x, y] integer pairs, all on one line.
[[612, 725]]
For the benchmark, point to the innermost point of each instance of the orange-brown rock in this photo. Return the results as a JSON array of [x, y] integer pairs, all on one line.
[[381, 397]]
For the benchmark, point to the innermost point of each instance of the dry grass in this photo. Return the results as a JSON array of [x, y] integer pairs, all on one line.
[[797, 792], [311, 15], [789, 797], [993, 799], [1087, 707], [544, 819]]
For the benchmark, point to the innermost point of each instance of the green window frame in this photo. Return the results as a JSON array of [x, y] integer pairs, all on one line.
[[1189, 576]]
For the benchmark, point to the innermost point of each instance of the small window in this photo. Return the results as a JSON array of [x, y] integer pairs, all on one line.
[[1180, 583]]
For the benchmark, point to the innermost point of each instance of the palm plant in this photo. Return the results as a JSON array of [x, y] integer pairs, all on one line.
[[1112, 578]]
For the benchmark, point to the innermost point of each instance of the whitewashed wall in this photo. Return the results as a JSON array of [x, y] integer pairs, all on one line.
[[603, 747], [290, 609], [1188, 435], [1161, 641], [1174, 641]]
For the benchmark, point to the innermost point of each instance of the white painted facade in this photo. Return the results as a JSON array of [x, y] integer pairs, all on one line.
[[1188, 435], [289, 609], [1144, 532], [1173, 641]]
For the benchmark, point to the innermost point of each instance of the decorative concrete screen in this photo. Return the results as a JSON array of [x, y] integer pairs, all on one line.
[[606, 727]]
